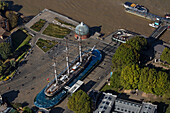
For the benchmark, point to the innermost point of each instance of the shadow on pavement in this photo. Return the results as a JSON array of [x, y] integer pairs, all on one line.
[[57, 110], [11, 95], [88, 85]]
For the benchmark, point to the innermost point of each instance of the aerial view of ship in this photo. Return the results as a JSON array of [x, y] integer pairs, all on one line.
[[135, 7], [73, 70]]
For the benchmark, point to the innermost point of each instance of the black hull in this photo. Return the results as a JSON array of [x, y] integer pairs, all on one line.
[[70, 79]]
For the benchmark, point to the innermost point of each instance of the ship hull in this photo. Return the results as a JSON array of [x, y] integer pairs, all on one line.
[[72, 76], [42, 101]]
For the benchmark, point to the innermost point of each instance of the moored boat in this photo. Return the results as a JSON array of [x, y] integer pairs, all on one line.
[[72, 71], [135, 7], [64, 78]]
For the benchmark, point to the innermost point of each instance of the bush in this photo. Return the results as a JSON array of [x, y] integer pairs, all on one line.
[[166, 55], [56, 31], [27, 110], [79, 102], [38, 25]]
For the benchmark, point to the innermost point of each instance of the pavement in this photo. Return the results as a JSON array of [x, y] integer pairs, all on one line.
[[33, 73]]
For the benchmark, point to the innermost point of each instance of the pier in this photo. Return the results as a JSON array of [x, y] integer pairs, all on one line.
[[158, 31], [148, 16], [164, 22]]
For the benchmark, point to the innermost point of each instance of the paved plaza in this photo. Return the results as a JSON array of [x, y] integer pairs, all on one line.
[[33, 73]]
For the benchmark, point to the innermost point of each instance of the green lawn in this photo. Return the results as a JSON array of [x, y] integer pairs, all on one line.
[[45, 45], [38, 25], [63, 22], [56, 31], [108, 88]]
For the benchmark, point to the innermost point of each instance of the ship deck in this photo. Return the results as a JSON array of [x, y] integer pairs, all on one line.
[[42, 101]]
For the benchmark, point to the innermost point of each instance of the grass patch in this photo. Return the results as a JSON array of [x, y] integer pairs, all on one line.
[[45, 45], [25, 42], [165, 65], [38, 25], [17, 38], [63, 22], [106, 88], [56, 31], [20, 57]]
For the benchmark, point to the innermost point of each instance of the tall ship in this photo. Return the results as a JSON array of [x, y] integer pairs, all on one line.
[[72, 71], [135, 7]]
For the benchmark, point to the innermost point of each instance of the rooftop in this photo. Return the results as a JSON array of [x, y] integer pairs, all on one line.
[[110, 103], [107, 101], [82, 29], [123, 35]]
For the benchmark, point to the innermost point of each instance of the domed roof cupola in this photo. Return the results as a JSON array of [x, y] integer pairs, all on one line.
[[82, 29]]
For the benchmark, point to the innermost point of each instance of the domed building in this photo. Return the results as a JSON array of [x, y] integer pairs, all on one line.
[[81, 30]]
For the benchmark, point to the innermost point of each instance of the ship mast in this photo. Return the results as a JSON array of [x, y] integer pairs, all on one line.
[[55, 73], [67, 59], [80, 43]]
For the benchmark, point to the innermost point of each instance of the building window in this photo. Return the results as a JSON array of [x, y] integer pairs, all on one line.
[[107, 103]]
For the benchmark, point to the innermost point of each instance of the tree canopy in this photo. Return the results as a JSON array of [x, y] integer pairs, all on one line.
[[166, 55], [3, 5], [115, 80], [13, 18], [137, 43], [130, 76], [125, 55], [162, 84], [27, 110], [5, 50], [79, 102]]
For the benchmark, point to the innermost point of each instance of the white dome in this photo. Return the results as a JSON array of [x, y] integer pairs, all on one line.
[[82, 29]]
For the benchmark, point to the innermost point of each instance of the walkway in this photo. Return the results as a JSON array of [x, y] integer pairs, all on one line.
[[158, 32]]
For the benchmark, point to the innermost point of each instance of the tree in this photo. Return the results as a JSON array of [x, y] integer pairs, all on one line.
[[162, 83], [0, 71], [5, 50], [151, 80], [137, 43], [115, 80], [12, 17], [79, 102], [27, 110], [125, 55], [143, 79], [147, 81], [3, 5], [129, 78], [165, 55]]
